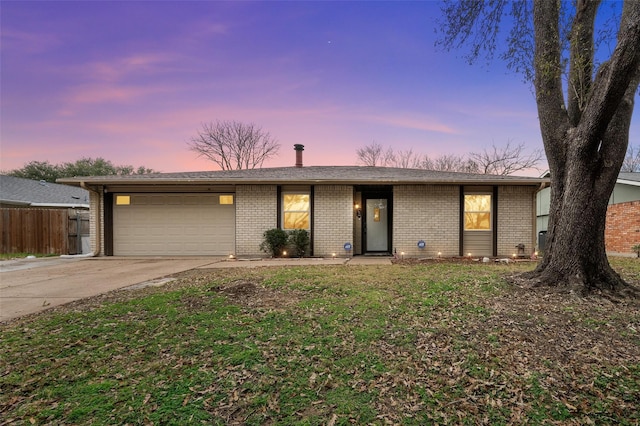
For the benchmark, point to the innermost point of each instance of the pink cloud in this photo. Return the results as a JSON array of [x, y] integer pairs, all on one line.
[[30, 42], [419, 123]]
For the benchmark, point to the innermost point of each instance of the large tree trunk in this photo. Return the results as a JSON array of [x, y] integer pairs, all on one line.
[[575, 247], [585, 143]]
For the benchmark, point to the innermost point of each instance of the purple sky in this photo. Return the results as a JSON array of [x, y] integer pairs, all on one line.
[[133, 81]]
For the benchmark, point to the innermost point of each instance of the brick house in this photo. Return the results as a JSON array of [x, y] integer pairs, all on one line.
[[348, 211], [623, 215]]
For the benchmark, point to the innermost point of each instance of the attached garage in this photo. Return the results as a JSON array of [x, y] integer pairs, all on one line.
[[173, 224]]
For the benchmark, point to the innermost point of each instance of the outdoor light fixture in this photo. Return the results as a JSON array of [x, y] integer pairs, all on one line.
[[469, 254], [333, 255], [357, 206], [284, 253], [439, 253], [402, 255]]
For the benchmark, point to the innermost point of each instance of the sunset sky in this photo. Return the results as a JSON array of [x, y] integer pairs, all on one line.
[[132, 82]]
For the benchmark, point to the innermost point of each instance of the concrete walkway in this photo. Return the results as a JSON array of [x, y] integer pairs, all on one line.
[[33, 285], [315, 261]]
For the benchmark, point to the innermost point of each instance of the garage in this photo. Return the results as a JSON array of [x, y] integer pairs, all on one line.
[[173, 224]]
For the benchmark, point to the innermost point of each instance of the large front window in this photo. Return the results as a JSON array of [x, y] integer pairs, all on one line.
[[477, 212], [295, 211]]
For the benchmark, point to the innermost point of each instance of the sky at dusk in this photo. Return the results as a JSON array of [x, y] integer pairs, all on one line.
[[133, 81]]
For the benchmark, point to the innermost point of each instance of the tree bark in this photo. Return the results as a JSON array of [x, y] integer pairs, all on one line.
[[585, 144]]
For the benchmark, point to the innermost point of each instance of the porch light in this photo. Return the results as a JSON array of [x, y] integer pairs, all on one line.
[[356, 206]]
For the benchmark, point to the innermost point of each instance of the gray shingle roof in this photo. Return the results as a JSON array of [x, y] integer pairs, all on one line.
[[352, 175], [634, 177], [27, 192]]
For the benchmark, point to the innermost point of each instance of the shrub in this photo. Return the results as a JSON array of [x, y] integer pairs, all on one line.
[[636, 248], [299, 242], [274, 241]]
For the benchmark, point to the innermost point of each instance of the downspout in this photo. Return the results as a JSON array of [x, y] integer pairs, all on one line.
[[96, 252]]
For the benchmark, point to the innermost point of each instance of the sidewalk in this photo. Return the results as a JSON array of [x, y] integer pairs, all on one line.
[[305, 261]]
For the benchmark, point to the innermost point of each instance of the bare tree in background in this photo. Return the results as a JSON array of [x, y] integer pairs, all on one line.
[[407, 159], [449, 163], [505, 160], [233, 145], [496, 160], [375, 155], [631, 161]]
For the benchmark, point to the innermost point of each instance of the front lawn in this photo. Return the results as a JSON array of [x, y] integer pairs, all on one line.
[[418, 344]]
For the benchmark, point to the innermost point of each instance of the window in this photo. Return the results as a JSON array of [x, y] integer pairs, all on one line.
[[477, 212], [226, 199], [295, 211], [123, 200]]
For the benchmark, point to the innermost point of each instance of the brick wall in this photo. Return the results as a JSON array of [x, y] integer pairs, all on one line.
[[623, 227], [429, 213], [515, 219], [256, 212], [332, 219]]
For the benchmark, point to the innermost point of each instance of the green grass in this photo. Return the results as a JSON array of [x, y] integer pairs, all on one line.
[[402, 344]]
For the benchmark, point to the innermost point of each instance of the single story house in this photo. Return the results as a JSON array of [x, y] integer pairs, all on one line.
[[348, 211], [623, 215]]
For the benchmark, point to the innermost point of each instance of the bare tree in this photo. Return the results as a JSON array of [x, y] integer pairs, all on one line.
[[233, 145], [505, 160], [497, 160], [585, 129], [631, 160], [406, 159], [374, 155]]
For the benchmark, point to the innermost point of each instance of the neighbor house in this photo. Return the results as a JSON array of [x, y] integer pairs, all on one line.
[[623, 215], [348, 211], [42, 217]]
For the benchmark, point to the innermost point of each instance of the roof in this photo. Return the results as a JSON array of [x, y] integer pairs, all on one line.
[[33, 193], [353, 175], [629, 178]]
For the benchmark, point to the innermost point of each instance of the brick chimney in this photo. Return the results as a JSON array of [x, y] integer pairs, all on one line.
[[299, 148]]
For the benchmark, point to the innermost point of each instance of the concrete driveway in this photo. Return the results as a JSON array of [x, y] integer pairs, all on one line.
[[32, 285]]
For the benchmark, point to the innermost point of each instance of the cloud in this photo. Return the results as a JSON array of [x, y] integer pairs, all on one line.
[[419, 123], [117, 69], [29, 42], [107, 93]]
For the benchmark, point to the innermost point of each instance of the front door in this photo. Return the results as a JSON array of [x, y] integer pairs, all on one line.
[[377, 225]]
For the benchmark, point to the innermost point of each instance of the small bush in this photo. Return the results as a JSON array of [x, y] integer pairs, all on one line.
[[274, 242], [299, 242], [636, 248]]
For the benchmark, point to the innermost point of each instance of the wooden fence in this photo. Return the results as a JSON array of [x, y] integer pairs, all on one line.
[[42, 231]]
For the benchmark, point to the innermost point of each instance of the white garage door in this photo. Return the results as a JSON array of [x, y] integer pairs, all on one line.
[[173, 224]]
